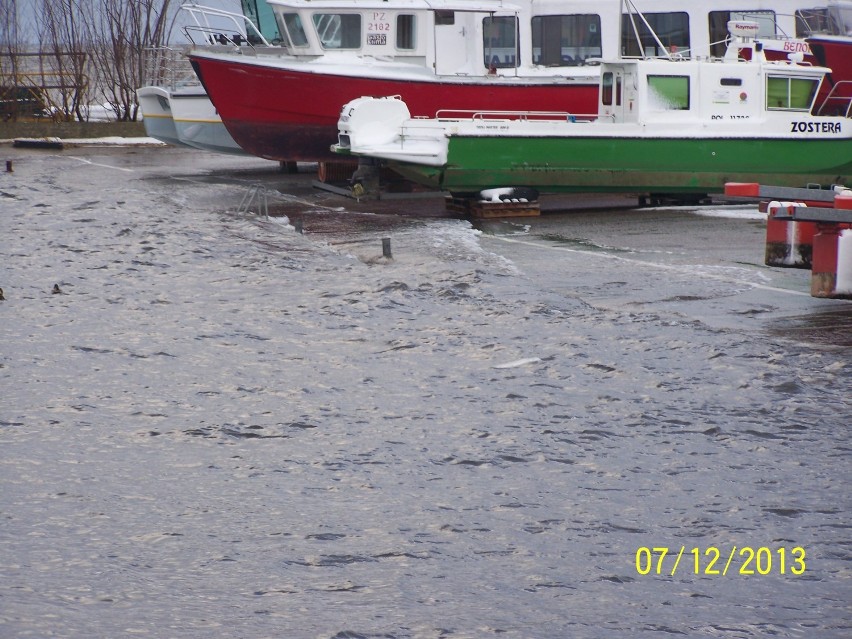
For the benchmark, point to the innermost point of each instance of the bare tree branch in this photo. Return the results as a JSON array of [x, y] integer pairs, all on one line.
[[125, 30], [63, 37], [87, 50]]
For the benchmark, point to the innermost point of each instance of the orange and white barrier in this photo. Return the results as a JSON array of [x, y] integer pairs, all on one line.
[[788, 244], [824, 245]]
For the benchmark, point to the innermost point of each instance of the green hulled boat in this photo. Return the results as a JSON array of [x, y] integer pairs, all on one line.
[[664, 125]]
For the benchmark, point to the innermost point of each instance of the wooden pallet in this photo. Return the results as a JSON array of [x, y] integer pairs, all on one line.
[[490, 210]]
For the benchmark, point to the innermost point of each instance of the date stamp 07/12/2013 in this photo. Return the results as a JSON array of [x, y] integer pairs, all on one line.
[[745, 560]]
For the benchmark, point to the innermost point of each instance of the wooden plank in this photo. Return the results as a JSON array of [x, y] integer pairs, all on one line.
[[490, 210], [755, 190], [814, 214]]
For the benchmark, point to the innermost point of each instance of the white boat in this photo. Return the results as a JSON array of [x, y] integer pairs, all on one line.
[[663, 125], [198, 124], [157, 114]]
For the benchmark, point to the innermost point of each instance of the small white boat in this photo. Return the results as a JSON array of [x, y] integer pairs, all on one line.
[[198, 124], [157, 114]]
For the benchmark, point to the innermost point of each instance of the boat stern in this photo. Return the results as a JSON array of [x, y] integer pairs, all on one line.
[[383, 128], [369, 122]]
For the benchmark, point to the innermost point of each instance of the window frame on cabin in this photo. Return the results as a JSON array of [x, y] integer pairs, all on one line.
[[290, 23], [568, 31], [506, 37], [406, 32], [797, 96], [680, 26], [675, 98], [350, 25]]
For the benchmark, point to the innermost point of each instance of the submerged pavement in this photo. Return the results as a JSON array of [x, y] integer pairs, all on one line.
[[219, 425]]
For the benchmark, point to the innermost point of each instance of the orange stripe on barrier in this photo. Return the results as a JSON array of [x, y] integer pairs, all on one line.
[[742, 189], [843, 201]]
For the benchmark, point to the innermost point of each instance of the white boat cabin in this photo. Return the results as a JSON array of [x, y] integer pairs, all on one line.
[[476, 37], [674, 97], [717, 91], [453, 37]]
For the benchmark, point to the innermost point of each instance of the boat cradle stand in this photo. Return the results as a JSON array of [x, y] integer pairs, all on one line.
[[366, 180]]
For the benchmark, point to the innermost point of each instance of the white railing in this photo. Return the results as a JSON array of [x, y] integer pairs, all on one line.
[[207, 29], [169, 68], [549, 116], [840, 104]]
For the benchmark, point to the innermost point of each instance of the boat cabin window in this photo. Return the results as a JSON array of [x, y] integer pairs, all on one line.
[[718, 22], [292, 31], [606, 88], [445, 18], [338, 30], [500, 40], [669, 92], [405, 24], [810, 21], [832, 20], [561, 41], [790, 94], [261, 14], [672, 29], [610, 81]]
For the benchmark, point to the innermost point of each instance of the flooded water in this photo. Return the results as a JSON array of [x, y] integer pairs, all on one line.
[[220, 427]]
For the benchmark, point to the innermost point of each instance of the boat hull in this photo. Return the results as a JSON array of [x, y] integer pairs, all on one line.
[[198, 125], [655, 165], [157, 114], [834, 52], [290, 114]]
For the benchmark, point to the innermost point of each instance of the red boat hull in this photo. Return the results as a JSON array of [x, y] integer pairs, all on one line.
[[834, 52], [287, 115]]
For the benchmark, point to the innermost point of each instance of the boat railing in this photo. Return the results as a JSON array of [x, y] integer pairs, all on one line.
[[838, 101], [168, 67], [775, 24], [549, 116], [212, 26]]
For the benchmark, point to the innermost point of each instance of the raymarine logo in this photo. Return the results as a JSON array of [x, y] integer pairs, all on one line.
[[743, 28]]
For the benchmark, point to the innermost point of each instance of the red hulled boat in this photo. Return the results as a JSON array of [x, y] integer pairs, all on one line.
[[282, 102]]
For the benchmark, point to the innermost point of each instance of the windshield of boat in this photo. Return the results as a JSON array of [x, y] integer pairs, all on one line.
[[292, 30]]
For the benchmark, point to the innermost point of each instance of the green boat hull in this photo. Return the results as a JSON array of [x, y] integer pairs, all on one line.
[[655, 165]]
